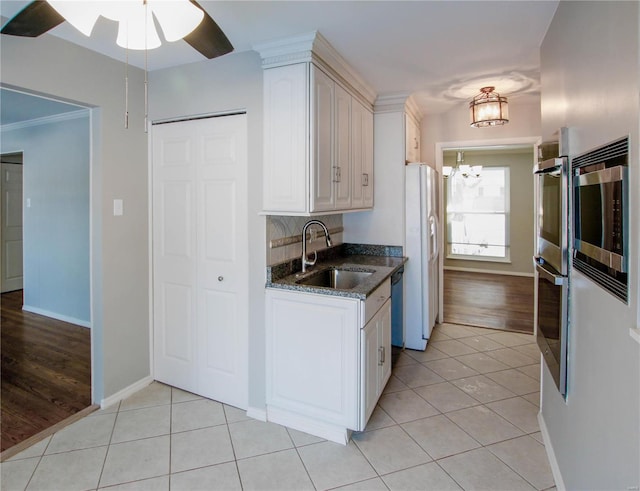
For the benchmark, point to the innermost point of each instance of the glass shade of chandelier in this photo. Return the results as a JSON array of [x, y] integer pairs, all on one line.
[[461, 168], [136, 26], [488, 109]]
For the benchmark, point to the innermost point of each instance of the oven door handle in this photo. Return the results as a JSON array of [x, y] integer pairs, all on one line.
[[550, 276]]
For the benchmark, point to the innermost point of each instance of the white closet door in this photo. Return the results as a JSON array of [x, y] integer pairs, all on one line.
[[11, 227], [223, 260], [201, 257]]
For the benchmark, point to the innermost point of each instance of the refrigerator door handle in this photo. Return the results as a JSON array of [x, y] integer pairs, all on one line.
[[433, 228]]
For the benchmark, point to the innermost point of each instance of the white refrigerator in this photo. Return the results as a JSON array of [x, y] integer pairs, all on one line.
[[421, 249]]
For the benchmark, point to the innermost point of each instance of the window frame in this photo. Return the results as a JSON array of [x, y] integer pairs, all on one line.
[[507, 225]]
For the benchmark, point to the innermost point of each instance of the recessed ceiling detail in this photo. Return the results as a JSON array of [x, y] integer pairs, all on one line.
[[506, 83]]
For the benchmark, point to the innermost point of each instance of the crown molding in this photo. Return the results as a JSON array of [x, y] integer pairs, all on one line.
[[56, 118], [313, 47], [397, 102]]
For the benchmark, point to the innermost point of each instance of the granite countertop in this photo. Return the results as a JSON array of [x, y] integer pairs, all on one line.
[[349, 257]]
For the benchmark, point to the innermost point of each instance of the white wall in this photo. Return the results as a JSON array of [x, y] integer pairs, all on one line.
[[453, 126], [590, 78], [56, 224], [119, 245], [384, 225], [229, 83]]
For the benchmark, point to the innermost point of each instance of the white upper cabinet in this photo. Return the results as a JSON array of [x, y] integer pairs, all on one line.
[[318, 130], [343, 168], [412, 134], [286, 185], [361, 156]]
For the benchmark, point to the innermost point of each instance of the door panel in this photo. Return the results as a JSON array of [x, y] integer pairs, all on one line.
[[323, 90], [200, 244], [11, 222], [343, 147]]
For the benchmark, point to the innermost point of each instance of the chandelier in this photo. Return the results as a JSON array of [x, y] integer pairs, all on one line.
[[488, 109], [461, 169]]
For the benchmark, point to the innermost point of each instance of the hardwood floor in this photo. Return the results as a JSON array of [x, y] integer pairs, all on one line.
[[46, 371], [488, 300]]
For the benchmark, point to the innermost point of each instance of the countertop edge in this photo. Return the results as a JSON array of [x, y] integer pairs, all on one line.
[[385, 267]]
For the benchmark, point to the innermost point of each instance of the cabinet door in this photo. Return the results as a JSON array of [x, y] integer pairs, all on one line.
[[312, 355], [375, 359], [367, 159], [384, 342], [369, 370], [342, 135], [322, 150], [286, 157], [357, 154], [412, 135], [361, 156]]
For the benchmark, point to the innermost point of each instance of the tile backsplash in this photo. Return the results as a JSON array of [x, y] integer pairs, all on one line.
[[283, 227]]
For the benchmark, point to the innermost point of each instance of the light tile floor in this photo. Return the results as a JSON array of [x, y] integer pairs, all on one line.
[[461, 415]]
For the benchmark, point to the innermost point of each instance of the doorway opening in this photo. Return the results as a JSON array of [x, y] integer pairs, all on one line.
[[45, 268], [487, 233]]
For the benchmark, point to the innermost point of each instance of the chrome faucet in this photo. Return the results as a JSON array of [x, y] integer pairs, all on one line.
[[305, 261]]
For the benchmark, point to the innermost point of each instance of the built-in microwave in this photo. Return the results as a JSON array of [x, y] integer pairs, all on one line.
[[600, 222]]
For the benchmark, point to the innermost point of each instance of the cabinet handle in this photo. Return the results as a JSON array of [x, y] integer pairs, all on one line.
[[220, 278], [365, 179], [381, 356], [336, 173]]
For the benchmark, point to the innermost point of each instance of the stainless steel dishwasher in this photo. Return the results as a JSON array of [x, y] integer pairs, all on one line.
[[397, 320]]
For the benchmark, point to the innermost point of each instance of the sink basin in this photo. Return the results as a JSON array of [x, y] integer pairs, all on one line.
[[340, 279]]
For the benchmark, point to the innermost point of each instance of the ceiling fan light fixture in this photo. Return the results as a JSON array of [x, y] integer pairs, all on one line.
[[81, 15], [488, 109], [136, 29], [177, 18]]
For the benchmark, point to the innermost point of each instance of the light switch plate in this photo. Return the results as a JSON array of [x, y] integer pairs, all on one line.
[[118, 208]]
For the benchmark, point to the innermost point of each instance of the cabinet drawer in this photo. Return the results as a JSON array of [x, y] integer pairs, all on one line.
[[376, 300]]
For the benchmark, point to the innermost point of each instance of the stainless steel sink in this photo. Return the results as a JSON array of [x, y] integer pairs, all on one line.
[[340, 279]]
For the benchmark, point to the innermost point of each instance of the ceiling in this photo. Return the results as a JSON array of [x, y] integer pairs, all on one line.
[[441, 52]]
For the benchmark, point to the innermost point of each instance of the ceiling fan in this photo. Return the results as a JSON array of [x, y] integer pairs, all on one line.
[[137, 28]]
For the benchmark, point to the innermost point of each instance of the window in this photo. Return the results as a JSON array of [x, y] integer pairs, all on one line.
[[478, 215]]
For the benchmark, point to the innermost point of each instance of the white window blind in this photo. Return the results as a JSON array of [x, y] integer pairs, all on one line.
[[478, 215]]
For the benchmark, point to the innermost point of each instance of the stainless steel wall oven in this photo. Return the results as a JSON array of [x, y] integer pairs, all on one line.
[[552, 264]]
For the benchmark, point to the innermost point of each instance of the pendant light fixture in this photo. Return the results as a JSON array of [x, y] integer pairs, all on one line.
[[461, 168], [488, 109]]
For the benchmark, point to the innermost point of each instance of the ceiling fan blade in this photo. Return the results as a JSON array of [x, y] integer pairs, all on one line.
[[35, 19], [208, 38]]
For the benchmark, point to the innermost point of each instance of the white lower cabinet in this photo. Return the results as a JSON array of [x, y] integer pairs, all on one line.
[[325, 370], [375, 348]]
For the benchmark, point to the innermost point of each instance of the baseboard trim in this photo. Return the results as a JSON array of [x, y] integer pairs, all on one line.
[[126, 392], [551, 455], [32, 440], [489, 271], [257, 413], [55, 315], [328, 431]]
